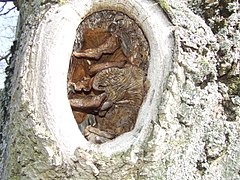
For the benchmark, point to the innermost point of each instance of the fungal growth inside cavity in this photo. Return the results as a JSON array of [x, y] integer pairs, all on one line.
[[107, 75]]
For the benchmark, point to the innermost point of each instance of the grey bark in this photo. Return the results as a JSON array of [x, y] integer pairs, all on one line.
[[187, 128]]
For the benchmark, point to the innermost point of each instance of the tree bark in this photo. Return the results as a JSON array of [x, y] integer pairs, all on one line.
[[187, 127]]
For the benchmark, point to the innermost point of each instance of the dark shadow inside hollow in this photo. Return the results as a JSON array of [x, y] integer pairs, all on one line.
[[107, 75]]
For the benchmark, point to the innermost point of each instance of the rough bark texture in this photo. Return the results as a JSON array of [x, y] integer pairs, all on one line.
[[188, 129]]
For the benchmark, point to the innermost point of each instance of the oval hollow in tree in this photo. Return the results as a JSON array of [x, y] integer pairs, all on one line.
[[51, 63]]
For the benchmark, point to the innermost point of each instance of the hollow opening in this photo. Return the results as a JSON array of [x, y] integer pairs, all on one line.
[[107, 75]]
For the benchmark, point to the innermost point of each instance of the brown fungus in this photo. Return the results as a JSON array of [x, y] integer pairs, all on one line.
[[107, 75]]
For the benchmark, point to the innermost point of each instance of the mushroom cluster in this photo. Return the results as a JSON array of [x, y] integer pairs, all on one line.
[[107, 75]]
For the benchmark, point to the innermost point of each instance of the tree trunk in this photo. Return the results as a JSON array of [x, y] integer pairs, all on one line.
[[187, 126]]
